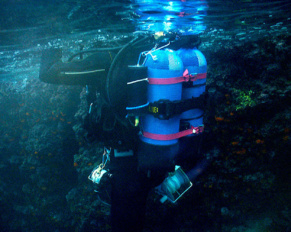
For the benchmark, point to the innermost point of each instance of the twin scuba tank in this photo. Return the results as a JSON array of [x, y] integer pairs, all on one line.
[[162, 94]]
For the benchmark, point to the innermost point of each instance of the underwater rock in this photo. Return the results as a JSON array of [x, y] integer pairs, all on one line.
[[46, 159]]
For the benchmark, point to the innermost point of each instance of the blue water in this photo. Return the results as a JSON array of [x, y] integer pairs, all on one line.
[[45, 160], [27, 27]]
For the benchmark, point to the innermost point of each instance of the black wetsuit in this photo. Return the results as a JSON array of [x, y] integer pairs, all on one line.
[[92, 70], [130, 184], [130, 187]]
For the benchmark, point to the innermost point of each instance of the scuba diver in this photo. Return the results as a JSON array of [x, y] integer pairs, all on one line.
[[145, 102]]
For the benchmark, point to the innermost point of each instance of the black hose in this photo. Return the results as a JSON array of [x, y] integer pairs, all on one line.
[[129, 44], [99, 50], [94, 50], [111, 81], [132, 43]]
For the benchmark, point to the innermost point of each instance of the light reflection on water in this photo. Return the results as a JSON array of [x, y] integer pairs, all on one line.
[[171, 15]]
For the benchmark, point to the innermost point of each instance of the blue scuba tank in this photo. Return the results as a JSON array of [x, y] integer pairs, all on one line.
[[195, 64], [162, 64]]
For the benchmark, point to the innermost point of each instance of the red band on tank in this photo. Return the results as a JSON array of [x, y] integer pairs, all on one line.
[[192, 130], [174, 80]]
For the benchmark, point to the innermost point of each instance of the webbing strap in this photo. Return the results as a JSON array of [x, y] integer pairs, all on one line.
[[174, 80], [192, 130], [165, 109]]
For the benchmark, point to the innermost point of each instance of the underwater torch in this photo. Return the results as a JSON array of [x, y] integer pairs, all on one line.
[[178, 182]]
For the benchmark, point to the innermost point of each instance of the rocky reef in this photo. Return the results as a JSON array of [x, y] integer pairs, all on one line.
[[45, 159]]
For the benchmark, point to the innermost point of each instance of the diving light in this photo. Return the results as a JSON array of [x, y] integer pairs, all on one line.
[[174, 186], [96, 175]]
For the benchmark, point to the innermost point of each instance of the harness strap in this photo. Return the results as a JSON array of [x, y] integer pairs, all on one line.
[[174, 80], [165, 109], [161, 137]]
